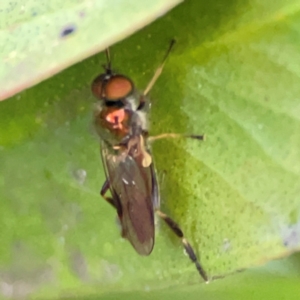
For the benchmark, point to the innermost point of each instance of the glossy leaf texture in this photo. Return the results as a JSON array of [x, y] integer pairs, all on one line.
[[233, 75], [40, 38]]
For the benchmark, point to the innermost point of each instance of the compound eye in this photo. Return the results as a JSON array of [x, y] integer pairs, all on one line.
[[118, 87], [97, 86]]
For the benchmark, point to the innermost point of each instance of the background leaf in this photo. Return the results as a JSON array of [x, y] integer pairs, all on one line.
[[41, 38], [233, 76]]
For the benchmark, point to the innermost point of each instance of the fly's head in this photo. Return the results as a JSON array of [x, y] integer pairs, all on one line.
[[115, 108]]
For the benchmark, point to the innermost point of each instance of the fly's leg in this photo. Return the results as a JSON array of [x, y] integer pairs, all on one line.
[[103, 191], [188, 248], [142, 103], [111, 201], [155, 77], [175, 136], [159, 69]]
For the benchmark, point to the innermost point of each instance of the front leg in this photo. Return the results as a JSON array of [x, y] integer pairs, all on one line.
[[143, 101]]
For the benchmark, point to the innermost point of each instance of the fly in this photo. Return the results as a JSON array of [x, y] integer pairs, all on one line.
[[121, 122]]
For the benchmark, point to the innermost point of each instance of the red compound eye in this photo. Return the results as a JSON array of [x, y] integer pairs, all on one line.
[[118, 87], [97, 86]]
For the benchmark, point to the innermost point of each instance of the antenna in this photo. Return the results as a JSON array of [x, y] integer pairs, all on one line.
[[108, 59]]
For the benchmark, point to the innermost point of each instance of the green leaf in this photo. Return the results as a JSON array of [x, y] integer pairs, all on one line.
[[233, 75], [41, 38], [275, 281]]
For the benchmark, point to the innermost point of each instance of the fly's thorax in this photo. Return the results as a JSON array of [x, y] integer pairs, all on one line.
[[134, 149], [139, 117], [116, 125], [132, 101], [112, 123]]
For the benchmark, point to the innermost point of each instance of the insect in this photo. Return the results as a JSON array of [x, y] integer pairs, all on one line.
[[121, 122]]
